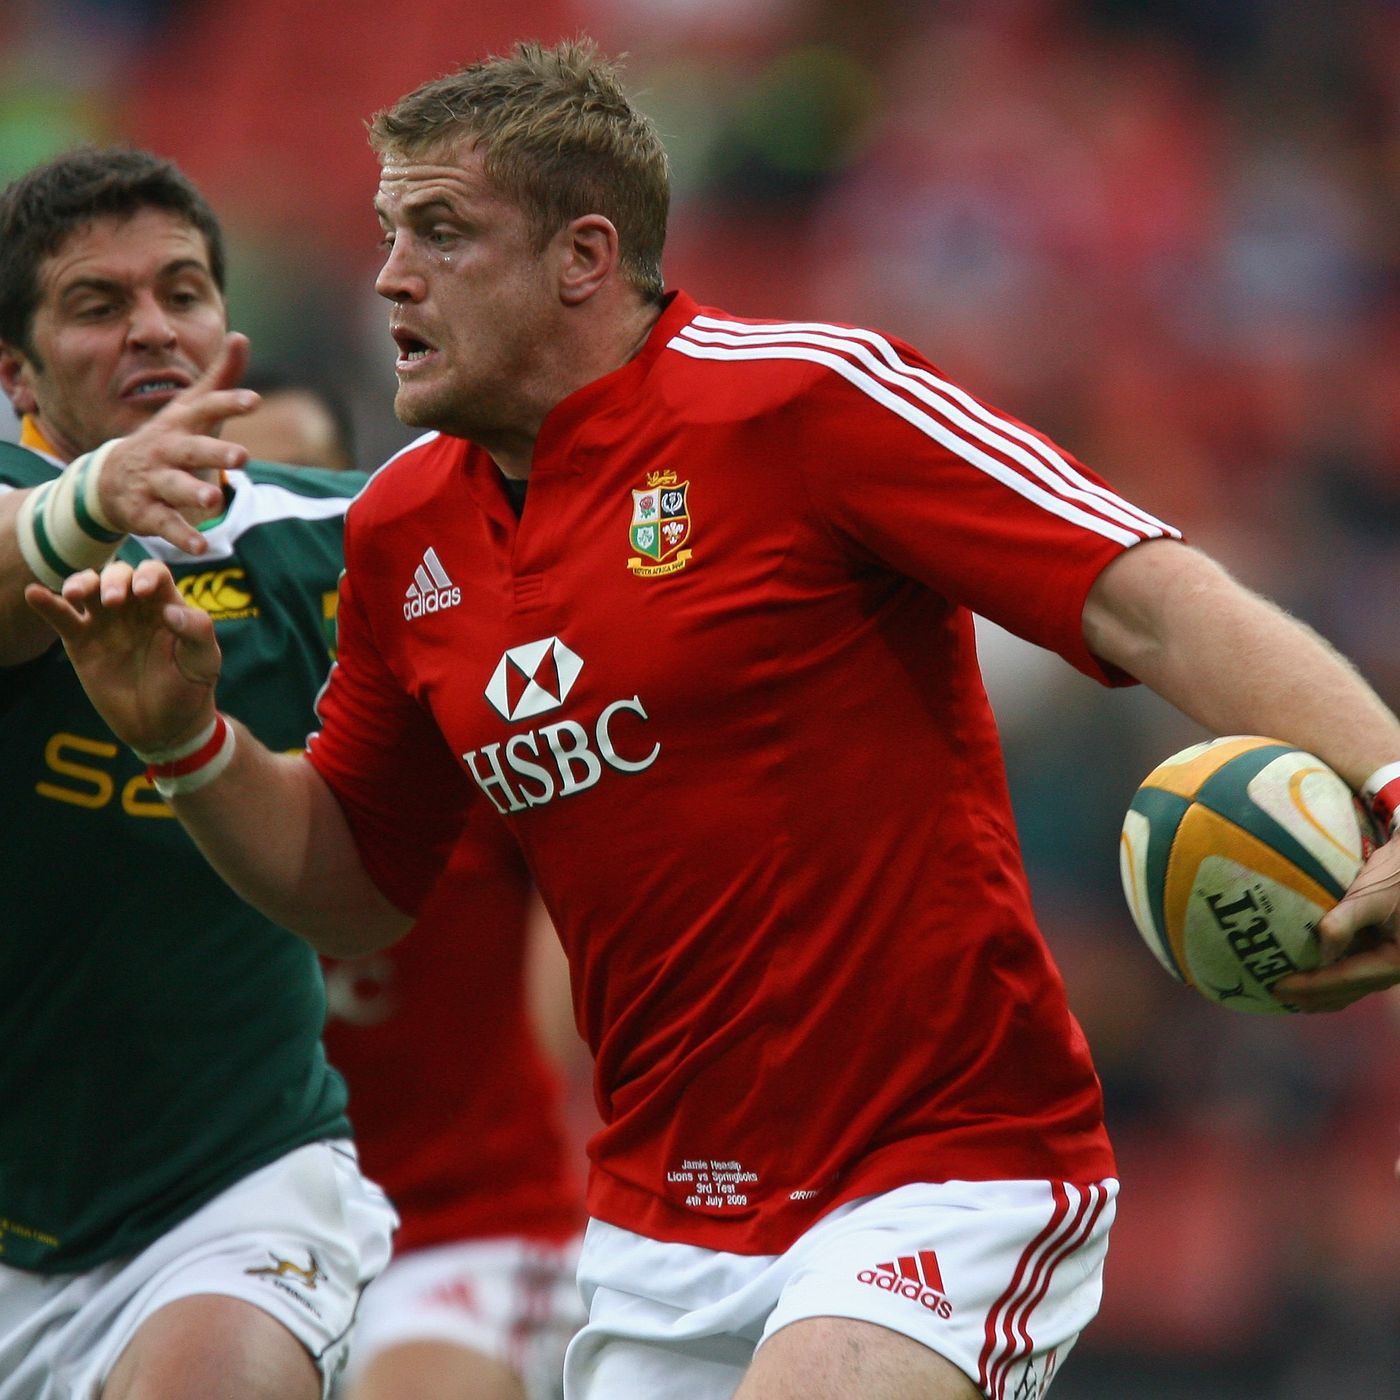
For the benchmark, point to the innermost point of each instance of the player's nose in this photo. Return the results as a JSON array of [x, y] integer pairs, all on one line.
[[150, 326]]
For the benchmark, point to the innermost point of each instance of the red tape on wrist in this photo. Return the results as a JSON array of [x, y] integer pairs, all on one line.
[[1382, 792], [191, 771], [1386, 804], [202, 755]]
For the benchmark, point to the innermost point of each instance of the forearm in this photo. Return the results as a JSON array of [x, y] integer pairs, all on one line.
[[23, 635], [272, 828], [1233, 661]]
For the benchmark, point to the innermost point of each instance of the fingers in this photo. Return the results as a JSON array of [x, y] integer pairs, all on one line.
[[86, 595], [154, 483], [114, 584], [1369, 903], [215, 395], [56, 610], [1370, 969], [229, 365]]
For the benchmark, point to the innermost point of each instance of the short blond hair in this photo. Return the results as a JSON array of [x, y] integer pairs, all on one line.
[[560, 139]]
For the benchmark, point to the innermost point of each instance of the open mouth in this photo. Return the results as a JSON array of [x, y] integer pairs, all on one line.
[[156, 386], [412, 350]]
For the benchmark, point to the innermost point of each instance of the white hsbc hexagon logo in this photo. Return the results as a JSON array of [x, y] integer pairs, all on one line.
[[533, 679]]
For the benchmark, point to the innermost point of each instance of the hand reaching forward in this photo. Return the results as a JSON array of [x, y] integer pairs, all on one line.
[[163, 478], [148, 662]]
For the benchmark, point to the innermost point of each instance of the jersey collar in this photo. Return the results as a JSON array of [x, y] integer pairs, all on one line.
[[35, 441]]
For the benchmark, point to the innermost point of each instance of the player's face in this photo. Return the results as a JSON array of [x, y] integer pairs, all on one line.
[[128, 315], [474, 304]]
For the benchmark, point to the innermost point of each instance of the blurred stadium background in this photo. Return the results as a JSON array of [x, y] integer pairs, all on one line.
[[1164, 232]]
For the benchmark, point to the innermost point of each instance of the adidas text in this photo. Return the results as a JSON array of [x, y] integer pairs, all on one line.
[[906, 1288], [435, 601]]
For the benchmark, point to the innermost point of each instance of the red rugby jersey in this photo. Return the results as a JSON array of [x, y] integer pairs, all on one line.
[[457, 1113], [719, 680]]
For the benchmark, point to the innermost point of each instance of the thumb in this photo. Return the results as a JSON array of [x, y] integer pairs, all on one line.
[[1370, 902], [196, 652]]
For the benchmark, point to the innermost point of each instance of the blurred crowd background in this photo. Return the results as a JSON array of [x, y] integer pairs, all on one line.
[[1164, 231]]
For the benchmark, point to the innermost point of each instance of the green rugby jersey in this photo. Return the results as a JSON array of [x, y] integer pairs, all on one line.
[[160, 1039]]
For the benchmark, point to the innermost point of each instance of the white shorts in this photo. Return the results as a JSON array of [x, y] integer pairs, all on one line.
[[299, 1238], [514, 1300], [999, 1277]]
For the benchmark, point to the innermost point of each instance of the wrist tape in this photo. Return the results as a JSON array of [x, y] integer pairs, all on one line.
[[193, 764], [1381, 792], [61, 527]]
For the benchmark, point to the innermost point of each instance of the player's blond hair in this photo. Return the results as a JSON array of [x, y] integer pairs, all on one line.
[[560, 139]]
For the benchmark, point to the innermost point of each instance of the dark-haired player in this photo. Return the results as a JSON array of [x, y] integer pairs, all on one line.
[[181, 1212]]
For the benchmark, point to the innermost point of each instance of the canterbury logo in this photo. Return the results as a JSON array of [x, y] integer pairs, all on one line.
[[219, 592], [531, 679], [913, 1276], [284, 1268], [431, 590]]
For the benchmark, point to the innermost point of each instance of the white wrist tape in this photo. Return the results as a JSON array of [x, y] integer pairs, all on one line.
[[61, 528], [194, 764], [1381, 792]]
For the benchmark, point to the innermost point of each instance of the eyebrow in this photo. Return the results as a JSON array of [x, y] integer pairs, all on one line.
[[112, 284], [431, 205]]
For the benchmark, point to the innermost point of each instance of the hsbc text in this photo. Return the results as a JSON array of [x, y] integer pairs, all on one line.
[[556, 760]]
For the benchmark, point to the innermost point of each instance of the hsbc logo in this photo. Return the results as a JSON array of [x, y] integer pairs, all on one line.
[[532, 679], [535, 766]]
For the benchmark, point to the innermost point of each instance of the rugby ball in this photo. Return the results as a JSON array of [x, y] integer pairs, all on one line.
[[1231, 851]]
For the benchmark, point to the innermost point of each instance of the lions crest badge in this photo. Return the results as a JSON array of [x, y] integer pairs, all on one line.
[[660, 526]]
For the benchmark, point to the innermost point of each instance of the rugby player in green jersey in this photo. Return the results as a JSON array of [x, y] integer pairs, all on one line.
[[181, 1211]]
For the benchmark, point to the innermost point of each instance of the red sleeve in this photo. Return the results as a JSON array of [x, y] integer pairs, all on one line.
[[917, 473], [394, 776]]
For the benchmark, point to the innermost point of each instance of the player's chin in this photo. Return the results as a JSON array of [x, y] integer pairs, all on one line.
[[415, 409], [132, 414]]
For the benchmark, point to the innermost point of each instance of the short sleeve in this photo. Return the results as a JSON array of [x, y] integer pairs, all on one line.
[[912, 470]]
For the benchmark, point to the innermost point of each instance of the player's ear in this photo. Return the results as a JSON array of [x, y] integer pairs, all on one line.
[[14, 379], [589, 255]]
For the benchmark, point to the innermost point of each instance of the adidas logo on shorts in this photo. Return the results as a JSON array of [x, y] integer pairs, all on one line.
[[914, 1276], [431, 590]]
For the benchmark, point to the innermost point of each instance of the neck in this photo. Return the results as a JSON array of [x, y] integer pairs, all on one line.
[[513, 451]]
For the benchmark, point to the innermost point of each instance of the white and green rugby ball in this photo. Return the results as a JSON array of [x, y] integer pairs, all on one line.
[[1231, 851]]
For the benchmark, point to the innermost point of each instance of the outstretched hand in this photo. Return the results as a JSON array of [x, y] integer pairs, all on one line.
[[1360, 939], [148, 662], [163, 478]]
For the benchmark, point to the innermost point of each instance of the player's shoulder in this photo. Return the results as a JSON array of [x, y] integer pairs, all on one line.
[[312, 482], [20, 467], [409, 478], [267, 497], [786, 359]]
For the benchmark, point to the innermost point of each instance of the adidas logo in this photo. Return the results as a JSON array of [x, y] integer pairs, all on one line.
[[915, 1276], [456, 1293], [431, 590]]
